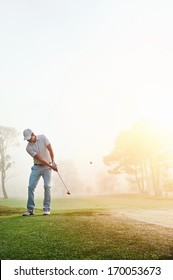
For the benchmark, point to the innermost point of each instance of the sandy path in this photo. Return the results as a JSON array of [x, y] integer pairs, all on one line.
[[162, 217]]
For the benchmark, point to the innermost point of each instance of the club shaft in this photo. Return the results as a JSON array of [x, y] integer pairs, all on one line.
[[63, 181]]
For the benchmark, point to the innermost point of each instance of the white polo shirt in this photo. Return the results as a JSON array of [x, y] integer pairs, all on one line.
[[39, 147]]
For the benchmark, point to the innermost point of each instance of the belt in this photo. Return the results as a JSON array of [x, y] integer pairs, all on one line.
[[40, 164]]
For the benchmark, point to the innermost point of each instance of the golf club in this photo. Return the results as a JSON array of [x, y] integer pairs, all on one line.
[[68, 192]]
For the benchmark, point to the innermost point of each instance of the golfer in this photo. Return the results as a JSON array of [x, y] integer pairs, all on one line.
[[41, 150]]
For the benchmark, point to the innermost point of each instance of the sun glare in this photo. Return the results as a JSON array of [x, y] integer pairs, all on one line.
[[158, 109]]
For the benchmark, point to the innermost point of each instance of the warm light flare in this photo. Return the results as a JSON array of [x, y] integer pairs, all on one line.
[[158, 109]]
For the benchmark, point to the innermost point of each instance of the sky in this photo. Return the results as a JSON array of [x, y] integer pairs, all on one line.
[[81, 71]]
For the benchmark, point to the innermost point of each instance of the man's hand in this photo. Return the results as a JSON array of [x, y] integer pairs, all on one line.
[[54, 166]]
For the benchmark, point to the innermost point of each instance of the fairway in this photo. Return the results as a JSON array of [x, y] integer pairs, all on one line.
[[118, 227]]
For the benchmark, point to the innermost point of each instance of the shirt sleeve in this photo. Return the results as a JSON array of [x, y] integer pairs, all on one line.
[[46, 140], [30, 152]]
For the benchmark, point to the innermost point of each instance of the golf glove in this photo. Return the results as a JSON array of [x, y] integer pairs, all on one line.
[[54, 163]]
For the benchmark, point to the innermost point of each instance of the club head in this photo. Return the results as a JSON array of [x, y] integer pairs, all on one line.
[[68, 193]]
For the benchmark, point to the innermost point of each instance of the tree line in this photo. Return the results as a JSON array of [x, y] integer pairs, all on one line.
[[142, 153]]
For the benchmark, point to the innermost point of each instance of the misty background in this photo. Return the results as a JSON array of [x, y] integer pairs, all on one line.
[[79, 72]]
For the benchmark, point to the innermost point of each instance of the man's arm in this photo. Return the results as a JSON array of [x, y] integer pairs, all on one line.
[[45, 162], [49, 147]]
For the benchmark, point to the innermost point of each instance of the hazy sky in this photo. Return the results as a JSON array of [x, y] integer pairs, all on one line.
[[79, 71]]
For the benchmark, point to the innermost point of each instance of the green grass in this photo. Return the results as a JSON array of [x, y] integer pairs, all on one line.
[[84, 229]]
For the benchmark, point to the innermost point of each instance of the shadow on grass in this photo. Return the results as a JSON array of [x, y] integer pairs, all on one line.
[[8, 211]]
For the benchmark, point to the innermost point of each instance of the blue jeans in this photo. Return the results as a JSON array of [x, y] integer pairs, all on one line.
[[36, 173]]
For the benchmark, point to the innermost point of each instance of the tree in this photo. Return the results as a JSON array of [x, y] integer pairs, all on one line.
[[8, 137], [139, 151]]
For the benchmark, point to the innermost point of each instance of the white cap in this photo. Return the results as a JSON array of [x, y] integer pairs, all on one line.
[[27, 134]]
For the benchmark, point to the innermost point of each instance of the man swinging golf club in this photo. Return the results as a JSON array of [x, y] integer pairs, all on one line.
[[41, 150]]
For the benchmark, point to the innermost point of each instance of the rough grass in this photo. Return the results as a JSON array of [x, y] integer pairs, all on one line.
[[84, 229]]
